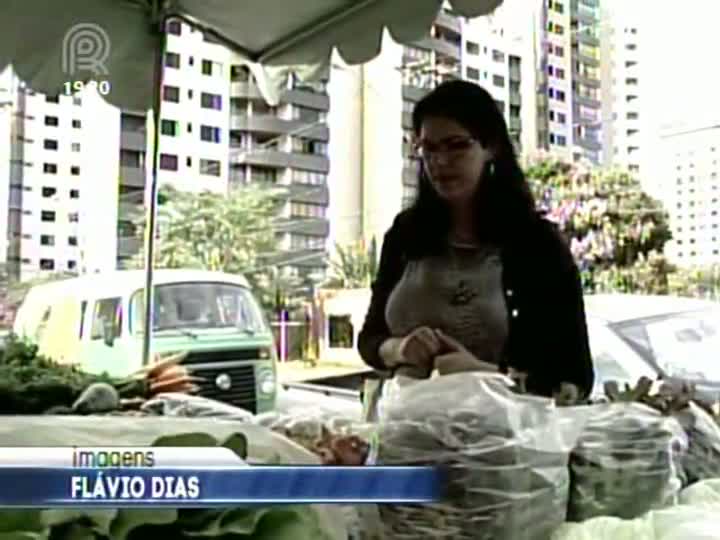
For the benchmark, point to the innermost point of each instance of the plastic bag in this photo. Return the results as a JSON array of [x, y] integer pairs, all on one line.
[[626, 462], [174, 404], [702, 460], [504, 455]]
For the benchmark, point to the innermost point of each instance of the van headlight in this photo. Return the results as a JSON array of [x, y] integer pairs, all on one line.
[[266, 382]]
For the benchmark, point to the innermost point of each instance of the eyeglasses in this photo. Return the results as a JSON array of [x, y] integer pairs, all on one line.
[[455, 147]]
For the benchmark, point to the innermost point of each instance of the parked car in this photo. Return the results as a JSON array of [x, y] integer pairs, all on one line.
[[677, 339]]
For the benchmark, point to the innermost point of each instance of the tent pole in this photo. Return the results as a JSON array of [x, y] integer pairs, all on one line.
[[152, 198]]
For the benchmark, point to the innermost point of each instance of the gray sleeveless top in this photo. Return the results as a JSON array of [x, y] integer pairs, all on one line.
[[459, 292]]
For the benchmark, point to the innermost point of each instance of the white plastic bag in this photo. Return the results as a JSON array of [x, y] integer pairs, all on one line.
[[504, 453]]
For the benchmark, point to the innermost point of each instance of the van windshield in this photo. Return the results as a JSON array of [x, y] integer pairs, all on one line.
[[198, 305]]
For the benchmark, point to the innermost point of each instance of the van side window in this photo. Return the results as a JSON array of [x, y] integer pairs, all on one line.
[[107, 310], [83, 312]]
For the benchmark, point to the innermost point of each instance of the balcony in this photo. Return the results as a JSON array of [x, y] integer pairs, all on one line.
[[268, 123], [309, 194], [586, 16], [276, 158], [133, 140], [515, 74], [441, 46], [407, 122], [132, 176], [515, 125], [449, 21], [515, 99], [312, 226], [590, 61], [587, 38], [588, 144], [587, 79], [128, 246], [586, 101], [413, 93], [300, 258], [304, 98]]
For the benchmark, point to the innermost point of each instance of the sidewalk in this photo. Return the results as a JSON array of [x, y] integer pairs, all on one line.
[[297, 371]]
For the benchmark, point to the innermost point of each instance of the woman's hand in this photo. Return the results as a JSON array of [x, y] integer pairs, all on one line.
[[457, 359], [419, 347]]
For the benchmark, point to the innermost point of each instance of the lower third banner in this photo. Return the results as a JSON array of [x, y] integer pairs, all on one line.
[[218, 486]]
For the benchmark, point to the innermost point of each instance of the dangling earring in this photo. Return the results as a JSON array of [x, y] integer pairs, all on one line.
[[491, 169]]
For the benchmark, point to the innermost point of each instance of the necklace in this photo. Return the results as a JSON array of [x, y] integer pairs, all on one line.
[[463, 293]]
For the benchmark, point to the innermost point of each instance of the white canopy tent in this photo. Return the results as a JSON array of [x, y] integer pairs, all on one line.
[[59, 46]]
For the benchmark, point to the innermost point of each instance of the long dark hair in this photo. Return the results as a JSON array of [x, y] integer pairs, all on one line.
[[504, 204]]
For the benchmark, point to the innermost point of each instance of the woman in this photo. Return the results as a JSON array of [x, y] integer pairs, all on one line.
[[471, 277]]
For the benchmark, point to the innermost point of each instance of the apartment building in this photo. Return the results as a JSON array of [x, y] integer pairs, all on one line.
[[570, 110], [217, 133], [57, 210], [625, 101], [691, 191], [287, 146], [6, 115]]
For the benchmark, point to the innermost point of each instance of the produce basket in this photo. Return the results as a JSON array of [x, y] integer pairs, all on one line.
[[626, 462], [506, 462]]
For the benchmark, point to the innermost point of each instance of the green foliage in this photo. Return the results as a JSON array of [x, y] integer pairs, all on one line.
[[354, 266], [231, 233], [617, 232]]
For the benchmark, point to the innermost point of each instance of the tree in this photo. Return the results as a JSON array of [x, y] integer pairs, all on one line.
[[354, 266], [232, 233], [617, 232]]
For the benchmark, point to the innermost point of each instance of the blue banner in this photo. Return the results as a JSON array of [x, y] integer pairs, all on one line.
[[218, 486]]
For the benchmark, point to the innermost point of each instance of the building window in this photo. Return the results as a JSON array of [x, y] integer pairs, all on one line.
[[559, 51], [48, 216], [75, 170], [75, 147], [171, 94], [77, 101], [558, 7], [50, 144], [631, 47], [307, 210], [499, 81], [472, 73], [472, 47], [500, 106], [74, 193], [211, 101], [210, 167], [73, 217], [561, 118], [240, 74], [76, 124], [561, 140], [172, 60], [72, 241], [47, 264], [52, 99], [47, 240], [174, 27], [169, 127], [49, 192], [309, 146], [211, 68], [72, 265], [51, 121], [49, 168], [188, 161], [168, 162], [210, 134], [560, 73], [498, 56], [300, 176], [631, 81]]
